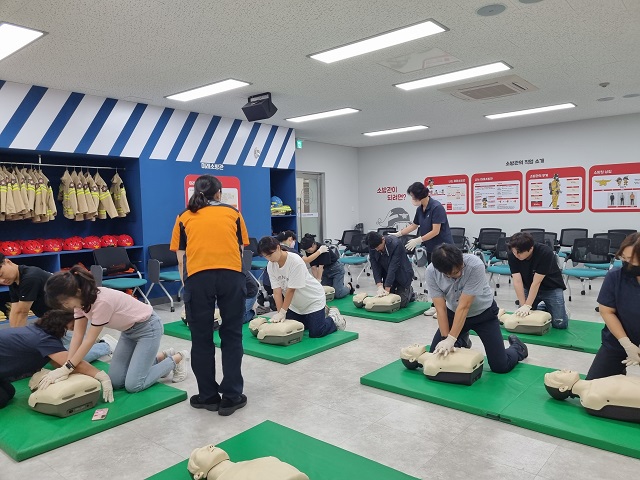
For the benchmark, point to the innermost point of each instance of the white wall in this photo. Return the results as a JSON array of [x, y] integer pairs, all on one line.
[[585, 143], [340, 166]]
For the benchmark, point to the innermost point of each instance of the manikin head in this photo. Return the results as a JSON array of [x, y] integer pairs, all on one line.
[[418, 192], [8, 271], [521, 245], [203, 460], [560, 383]]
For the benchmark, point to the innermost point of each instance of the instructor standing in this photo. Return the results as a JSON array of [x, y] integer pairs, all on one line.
[[213, 235]]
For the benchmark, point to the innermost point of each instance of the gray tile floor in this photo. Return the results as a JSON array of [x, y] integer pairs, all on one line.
[[321, 396]]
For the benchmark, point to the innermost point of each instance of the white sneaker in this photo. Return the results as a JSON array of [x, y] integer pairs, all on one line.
[[435, 315], [430, 312], [338, 319], [180, 370], [109, 340], [169, 352]]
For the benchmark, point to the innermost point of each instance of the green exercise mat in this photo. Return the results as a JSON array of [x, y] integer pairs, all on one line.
[[26, 433], [318, 460], [581, 336], [536, 410], [275, 353], [480, 398], [346, 307]]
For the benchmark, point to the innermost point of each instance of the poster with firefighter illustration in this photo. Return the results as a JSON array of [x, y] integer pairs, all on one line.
[[496, 192], [452, 191], [555, 190], [614, 187]]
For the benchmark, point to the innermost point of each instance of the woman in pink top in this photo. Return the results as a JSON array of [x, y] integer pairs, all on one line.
[[135, 364]]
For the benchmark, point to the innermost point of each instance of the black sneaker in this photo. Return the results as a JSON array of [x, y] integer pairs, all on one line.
[[260, 298], [197, 402], [464, 341], [519, 346], [228, 406]]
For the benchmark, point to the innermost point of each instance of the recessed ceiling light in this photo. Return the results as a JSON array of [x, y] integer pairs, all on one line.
[[491, 10], [550, 108], [604, 99], [207, 90], [14, 37], [455, 76], [530, 1], [631, 95], [396, 130], [317, 116], [378, 42]]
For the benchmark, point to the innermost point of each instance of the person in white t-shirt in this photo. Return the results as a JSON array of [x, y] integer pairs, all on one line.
[[297, 294], [135, 364]]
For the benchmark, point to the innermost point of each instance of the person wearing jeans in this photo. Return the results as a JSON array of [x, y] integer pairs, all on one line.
[[537, 278], [325, 266]]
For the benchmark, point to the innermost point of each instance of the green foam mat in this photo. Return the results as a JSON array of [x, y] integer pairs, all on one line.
[[275, 353], [481, 398], [581, 336], [318, 460], [346, 307], [26, 433]]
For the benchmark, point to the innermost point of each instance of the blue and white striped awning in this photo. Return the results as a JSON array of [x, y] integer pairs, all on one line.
[[45, 119]]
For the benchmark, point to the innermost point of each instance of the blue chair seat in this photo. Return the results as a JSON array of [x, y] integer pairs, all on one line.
[[604, 266], [173, 276], [259, 264], [353, 260], [499, 269], [124, 283], [584, 272], [563, 254]]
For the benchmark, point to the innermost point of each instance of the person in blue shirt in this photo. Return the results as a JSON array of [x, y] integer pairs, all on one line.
[[619, 300], [430, 220], [392, 270]]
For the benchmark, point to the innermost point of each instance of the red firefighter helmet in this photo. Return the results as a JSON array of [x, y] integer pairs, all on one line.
[[10, 249], [91, 241], [125, 241], [72, 243], [52, 245], [109, 241], [31, 247]]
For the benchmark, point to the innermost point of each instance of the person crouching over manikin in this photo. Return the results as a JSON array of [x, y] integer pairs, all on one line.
[[392, 270], [464, 301]]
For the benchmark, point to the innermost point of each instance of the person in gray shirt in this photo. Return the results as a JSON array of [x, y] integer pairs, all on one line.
[[464, 301]]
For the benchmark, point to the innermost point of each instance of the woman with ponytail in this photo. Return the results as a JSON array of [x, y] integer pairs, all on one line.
[[134, 365], [213, 235]]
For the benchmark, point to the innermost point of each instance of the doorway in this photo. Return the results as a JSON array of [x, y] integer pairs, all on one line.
[[310, 199]]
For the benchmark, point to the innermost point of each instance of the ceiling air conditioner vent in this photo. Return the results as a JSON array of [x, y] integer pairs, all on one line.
[[490, 89]]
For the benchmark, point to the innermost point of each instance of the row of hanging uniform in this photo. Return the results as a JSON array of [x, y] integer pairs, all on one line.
[[26, 194]]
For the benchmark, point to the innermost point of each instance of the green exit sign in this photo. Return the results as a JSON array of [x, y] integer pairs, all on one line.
[[298, 143]]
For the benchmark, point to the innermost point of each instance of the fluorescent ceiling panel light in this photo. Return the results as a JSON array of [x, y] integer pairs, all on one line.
[[207, 90], [317, 116], [455, 76], [550, 108], [378, 42], [396, 130], [14, 37]]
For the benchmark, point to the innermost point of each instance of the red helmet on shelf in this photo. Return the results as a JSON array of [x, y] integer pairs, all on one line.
[[109, 241], [91, 241], [72, 243], [10, 249], [52, 245], [31, 247], [125, 241]]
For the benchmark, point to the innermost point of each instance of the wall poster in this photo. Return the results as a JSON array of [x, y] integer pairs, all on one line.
[[614, 187], [452, 191], [496, 192], [230, 189], [555, 190]]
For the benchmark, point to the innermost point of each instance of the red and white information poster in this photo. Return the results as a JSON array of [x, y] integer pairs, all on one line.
[[614, 188], [452, 191], [556, 190], [230, 189], [497, 192]]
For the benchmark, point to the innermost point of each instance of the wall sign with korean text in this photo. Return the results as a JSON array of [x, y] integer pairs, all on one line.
[[452, 191], [496, 192], [555, 190], [230, 189], [614, 188]]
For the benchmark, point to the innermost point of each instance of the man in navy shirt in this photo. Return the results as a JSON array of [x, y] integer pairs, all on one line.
[[430, 220], [391, 268], [619, 300]]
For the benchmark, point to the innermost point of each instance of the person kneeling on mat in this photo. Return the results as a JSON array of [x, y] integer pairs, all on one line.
[[464, 301], [325, 266], [304, 298], [537, 278], [135, 365], [392, 270], [25, 350]]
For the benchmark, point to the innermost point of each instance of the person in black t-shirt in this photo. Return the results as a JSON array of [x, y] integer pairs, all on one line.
[[325, 265], [26, 290], [25, 350], [537, 278]]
